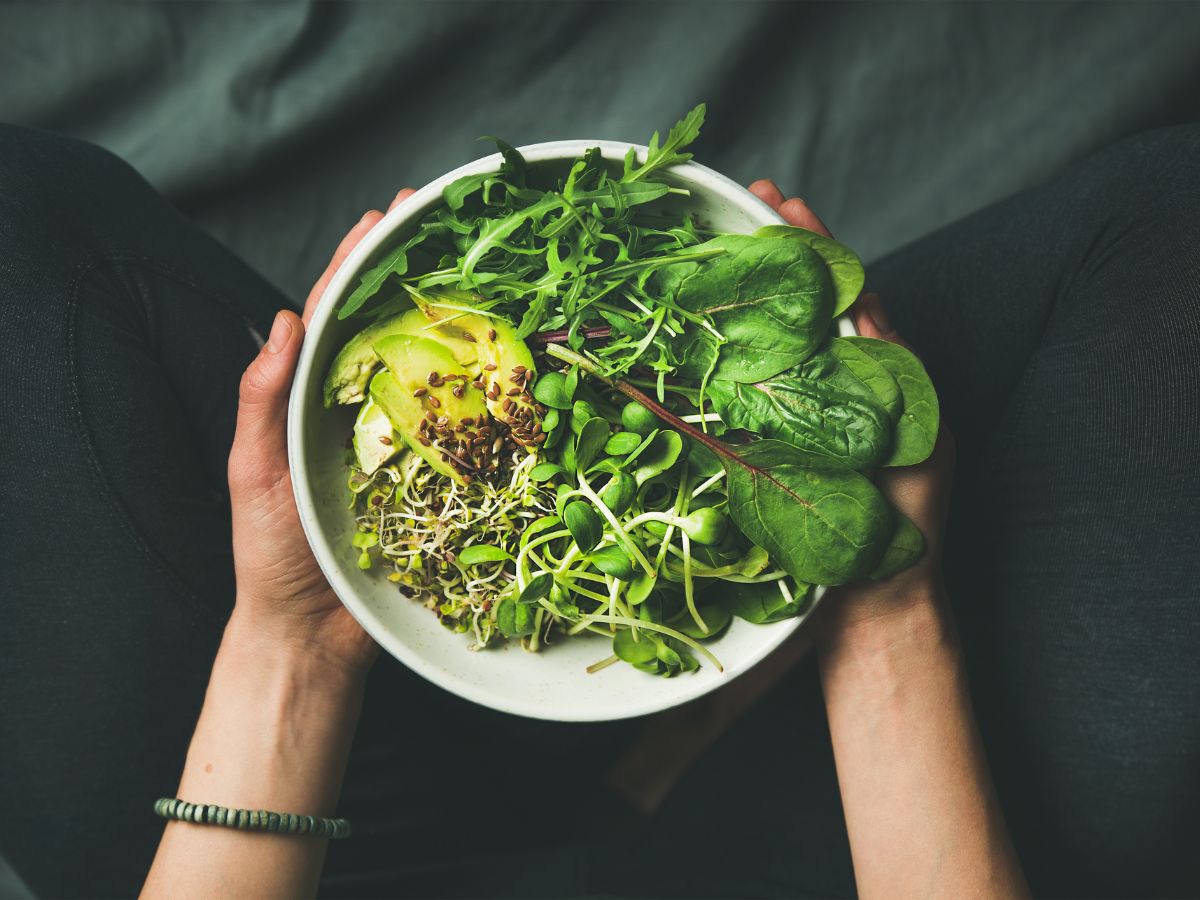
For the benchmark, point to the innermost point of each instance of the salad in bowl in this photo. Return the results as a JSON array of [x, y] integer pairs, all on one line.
[[601, 400]]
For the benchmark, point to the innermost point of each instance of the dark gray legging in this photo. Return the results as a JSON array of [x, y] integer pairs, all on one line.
[[1063, 330]]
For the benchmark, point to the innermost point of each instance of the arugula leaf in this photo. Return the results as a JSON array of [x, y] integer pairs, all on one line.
[[810, 415], [845, 268], [456, 192], [685, 131], [617, 194], [917, 427], [821, 522]]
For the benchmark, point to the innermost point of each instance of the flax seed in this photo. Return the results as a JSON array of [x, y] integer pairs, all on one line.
[[431, 377], [491, 334], [429, 415], [478, 383], [467, 336], [443, 421], [457, 390], [434, 402], [420, 392], [491, 367], [385, 440], [425, 442]]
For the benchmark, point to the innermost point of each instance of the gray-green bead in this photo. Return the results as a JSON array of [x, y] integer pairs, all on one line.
[[243, 819]]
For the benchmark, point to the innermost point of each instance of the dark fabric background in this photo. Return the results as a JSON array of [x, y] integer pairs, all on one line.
[[276, 124]]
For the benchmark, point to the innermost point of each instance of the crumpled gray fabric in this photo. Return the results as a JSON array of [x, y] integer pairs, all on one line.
[[277, 124]]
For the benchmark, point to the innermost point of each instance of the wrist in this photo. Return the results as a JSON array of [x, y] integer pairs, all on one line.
[[264, 645], [901, 614]]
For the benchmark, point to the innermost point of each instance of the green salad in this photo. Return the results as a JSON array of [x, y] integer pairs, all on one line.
[[582, 412]]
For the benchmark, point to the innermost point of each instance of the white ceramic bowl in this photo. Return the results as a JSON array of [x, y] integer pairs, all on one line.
[[550, 684]]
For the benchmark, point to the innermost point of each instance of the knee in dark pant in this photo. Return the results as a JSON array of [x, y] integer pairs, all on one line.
[[53, 188], [1135, 211]]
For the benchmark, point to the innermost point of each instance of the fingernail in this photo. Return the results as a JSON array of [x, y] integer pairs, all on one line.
[[878, 314], [281, 333]]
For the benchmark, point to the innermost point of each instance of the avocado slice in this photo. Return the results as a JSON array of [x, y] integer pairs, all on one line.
[[507, 365], [432, 418], [354, 365], [505, 362], [375, 441]]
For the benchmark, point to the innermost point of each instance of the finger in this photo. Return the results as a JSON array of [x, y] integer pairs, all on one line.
[[400, 197], [796, 212], [768, 192], [356, 234], [258, 458], [871, 320]]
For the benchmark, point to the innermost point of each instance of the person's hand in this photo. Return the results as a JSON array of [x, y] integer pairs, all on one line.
[[921, 492], [282, 595]]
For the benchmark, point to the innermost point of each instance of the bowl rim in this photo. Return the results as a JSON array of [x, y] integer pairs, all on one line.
[[423, 200]]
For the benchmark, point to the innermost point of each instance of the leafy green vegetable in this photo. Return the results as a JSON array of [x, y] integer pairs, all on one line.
[[810, 415], [822, 522], [845, 268], [843, 365], [917, 427], [551, 389], [514, 619], [765, 602], [482, 553], [613, 561], [584, 523], [660, 454], [592, 438], [770, 301], [906, 547]]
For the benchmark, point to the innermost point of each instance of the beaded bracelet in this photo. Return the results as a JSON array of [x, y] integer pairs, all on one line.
[[251, 819]]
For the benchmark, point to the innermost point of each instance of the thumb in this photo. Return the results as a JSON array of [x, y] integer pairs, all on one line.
[[259, 456]]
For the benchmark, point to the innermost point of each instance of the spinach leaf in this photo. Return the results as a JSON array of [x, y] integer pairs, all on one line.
[[764, 603], [771, 299], [810, 415], [906, 547], [844, 365], [845, 268], [917, 427], [822, 522]]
